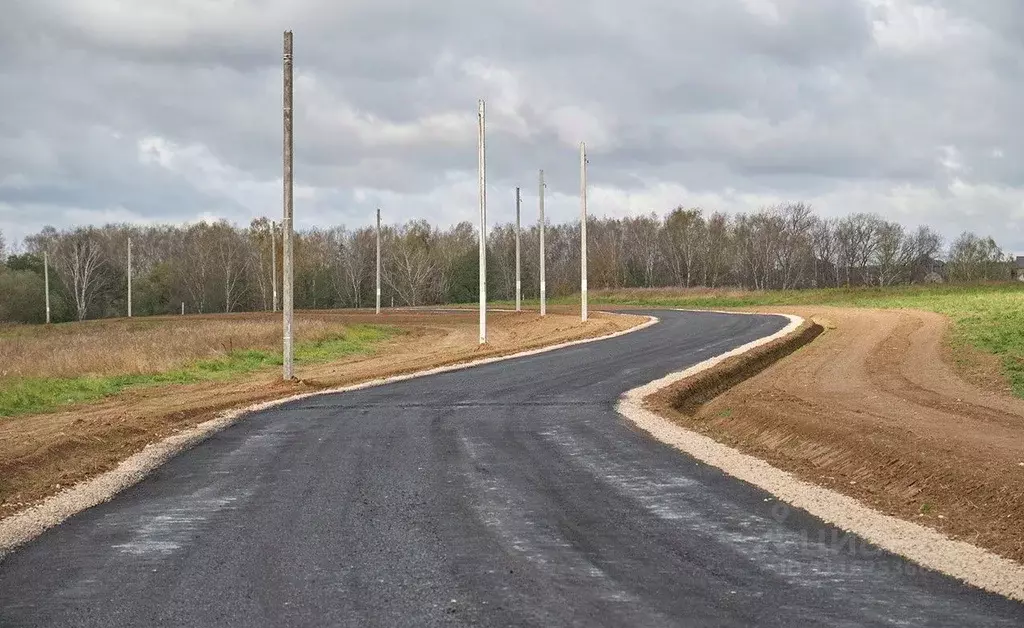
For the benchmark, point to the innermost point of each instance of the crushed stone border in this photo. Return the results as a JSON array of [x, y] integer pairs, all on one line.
[[926, 547]]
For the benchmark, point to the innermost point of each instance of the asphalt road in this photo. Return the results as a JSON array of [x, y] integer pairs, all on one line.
[[504, 495]]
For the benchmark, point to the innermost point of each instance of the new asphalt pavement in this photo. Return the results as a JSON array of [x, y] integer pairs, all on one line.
[[509, 494]]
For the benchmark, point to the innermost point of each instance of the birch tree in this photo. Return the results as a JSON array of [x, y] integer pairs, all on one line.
[[79, 262]]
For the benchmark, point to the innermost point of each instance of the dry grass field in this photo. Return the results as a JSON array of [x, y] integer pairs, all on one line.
[[145, 346], [157, 376], [44, 368]]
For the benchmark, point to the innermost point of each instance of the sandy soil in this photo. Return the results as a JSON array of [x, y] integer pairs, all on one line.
[[874, 409], [41, 454]]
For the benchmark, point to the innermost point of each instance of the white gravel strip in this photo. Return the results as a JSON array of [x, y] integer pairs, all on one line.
[[23, 526], [924, 546]]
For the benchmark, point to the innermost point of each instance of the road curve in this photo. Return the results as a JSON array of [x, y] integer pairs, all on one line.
[[503, 495]]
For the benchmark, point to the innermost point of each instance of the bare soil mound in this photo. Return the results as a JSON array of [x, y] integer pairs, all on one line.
[[874, 409]]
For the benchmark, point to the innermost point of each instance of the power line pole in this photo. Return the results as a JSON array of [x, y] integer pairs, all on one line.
[[519, 274], [482, 167], [543, 287], [289, 367], [583, 232], [378, 260], [46, 283], [129, 277], [273, 263]]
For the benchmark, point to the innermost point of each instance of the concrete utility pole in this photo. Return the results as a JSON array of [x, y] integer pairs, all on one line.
[[583, 232], [129, 277], [378, 260], [543, 287], [273, 263], [519, 271], [289, 367], [46, 283], [482, 167]]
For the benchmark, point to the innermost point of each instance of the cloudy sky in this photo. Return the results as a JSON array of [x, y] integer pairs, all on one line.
[[170, 110]]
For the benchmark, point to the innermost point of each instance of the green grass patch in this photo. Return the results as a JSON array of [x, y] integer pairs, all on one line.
[[987, 317], [41, 394]]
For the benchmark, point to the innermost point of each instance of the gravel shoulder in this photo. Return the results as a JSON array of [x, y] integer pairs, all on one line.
[[43, 454], [875, 409]]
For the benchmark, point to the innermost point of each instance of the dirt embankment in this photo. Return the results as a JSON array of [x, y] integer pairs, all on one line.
[[873, 409], [41, 454]]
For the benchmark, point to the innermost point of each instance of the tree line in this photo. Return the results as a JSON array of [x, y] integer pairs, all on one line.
[[219, 267]]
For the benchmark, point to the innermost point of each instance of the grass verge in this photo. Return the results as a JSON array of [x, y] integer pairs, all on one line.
[[40, 394]]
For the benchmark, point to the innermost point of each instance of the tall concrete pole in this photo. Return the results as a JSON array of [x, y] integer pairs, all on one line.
[[289, 367], [482, 167], [46, 283], [378, 260], [273, 262], [583, 232], [519, 269], [129, 277], [543, 286]]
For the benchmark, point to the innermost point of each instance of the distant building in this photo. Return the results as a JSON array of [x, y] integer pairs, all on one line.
[[1018, 268]]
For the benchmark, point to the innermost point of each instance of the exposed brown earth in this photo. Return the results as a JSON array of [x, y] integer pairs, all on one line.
[[874, 409], [40, 454]]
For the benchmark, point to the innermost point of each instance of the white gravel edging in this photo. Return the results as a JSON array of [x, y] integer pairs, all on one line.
[[924, 546], [25, 525]]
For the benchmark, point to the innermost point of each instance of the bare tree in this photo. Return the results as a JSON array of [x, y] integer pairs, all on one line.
[[196, 264], [643, 245], [823, 246], [410, 264], [794, 248], [606, 267], [454, 249], [927, 248], [313, 268], [894, 253], [717, 248], [856, 240], [79, 261], [220, 266], [758, 239], [355, 252], [501, 243], [972, 258], [230, 255], [260, 256], [682, 235]]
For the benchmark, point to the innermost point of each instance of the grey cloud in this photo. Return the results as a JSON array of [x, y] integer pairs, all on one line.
[[709, 96]]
